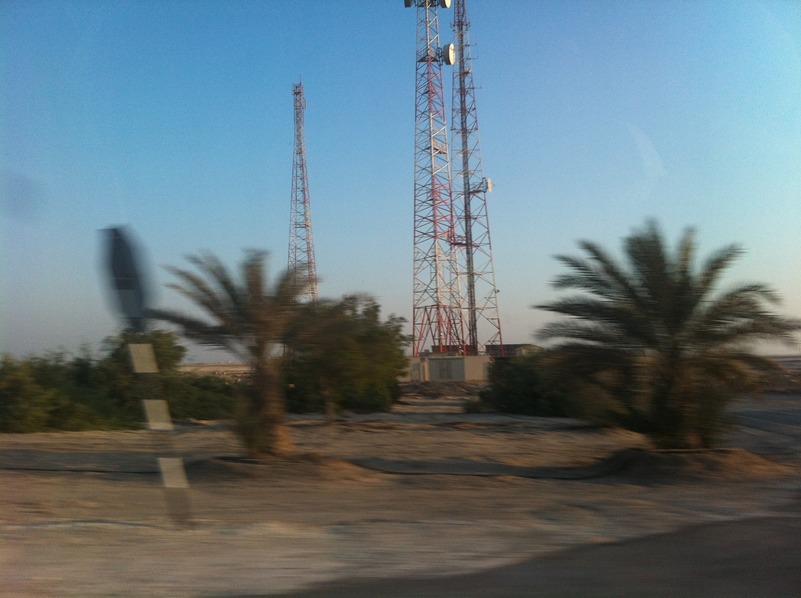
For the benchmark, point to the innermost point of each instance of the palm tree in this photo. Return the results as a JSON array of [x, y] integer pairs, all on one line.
[[248, 319], [659, 338]]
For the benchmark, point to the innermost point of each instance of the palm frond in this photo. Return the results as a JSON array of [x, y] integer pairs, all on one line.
[[742, 314], [685, 254], [201, 331], [745, 332], [200, 290], [599, 274], [216, 272], [243, 317], [714, 266], [253, 275], [646, 254], [685, 300], [590, 332], [585, 277], [629, 327]]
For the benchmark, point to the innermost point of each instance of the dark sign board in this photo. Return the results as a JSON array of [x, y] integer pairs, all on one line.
[[126, 277]]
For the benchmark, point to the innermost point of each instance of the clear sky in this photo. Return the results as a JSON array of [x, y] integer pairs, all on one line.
[[176, 118]]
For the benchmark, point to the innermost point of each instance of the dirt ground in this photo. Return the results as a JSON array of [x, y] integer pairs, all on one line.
[[423, 491]]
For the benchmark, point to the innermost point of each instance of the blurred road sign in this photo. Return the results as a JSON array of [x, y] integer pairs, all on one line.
[[126, 277]]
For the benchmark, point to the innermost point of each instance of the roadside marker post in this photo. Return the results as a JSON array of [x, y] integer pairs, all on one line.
[[173, 474], [127, 282]]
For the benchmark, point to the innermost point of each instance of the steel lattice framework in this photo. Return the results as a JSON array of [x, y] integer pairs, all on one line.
[[301, 242], [471, 222], [436, 313]]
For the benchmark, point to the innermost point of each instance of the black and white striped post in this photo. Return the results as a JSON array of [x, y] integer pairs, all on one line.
[[130, 290], [171, 466]]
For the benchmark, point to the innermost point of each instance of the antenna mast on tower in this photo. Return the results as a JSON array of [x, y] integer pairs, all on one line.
[[301, 242], [472, 233], [436, 312]]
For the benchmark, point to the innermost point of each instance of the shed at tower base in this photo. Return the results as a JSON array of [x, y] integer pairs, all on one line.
[[449, 368], [435, 367]]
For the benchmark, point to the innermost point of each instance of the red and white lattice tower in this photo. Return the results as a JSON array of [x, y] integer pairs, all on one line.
[[437, 322], [301, 242], [472, 232]]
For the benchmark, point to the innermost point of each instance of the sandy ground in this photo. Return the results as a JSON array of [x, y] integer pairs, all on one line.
[[422, 491]]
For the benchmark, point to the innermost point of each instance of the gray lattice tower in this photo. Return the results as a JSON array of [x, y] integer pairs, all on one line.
[[436, 314], [301, 241], [470, 187]]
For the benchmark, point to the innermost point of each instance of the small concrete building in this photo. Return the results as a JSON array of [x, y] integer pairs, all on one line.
[[449, 368], [433, 367]]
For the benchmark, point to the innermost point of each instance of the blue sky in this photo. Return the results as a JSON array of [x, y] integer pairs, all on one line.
[[176, 118]]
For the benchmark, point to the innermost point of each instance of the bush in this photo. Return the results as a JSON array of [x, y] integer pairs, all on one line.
[[57, 392], [191, 396], [51, 393], [522, 385], [342, 356], [25, 406]]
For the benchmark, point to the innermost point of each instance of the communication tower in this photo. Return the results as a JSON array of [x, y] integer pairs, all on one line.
[[301, 242], [470, 187], [437, 322]]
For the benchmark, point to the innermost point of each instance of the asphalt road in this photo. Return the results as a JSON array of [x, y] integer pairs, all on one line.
[[746, 558]]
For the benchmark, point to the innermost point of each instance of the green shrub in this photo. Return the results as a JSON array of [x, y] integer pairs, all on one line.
[[371, 397], [191, 396], [55, 391], [522, 385], [343, 356], [25, 406], [302, 392], [476, 406]]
